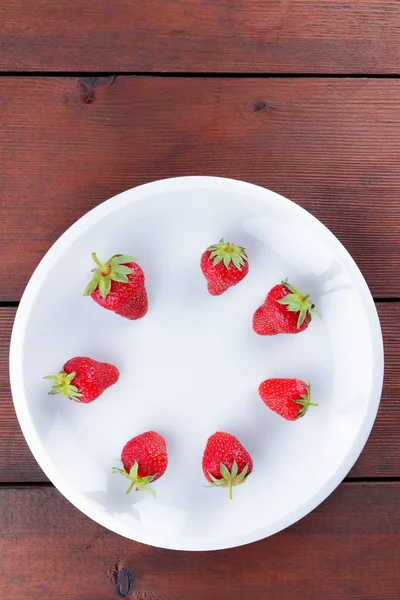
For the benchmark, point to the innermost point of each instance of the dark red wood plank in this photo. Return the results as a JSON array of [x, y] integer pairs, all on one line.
[[333, 146], [348, 548], [16, 461], [278, 36], [380, 458]]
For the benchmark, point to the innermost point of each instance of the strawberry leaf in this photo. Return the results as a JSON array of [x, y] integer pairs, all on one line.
[[103, 286], [137, 483], [217, 260], [304, 402], [214, 479], [243, 475], [224, 471], [297, 302], [64, 386], [234, 469], [92, 285], [122, 269], [114, 269], [120, 277], [122, 259], [227, 253], [230, 478]]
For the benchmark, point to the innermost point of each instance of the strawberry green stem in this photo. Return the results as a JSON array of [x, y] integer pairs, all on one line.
[[229, 478], [115, 269], [305, 402], [64, 385], [105, 270], [130, 488], [137, 482]]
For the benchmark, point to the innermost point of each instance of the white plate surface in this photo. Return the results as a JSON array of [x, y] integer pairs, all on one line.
[[192, 365]]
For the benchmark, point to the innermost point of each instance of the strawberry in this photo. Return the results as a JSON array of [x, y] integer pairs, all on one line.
[[84, 379], [118, 285], [285, 310], [144, 459], [290, 398], [223, 265], [225, 462]]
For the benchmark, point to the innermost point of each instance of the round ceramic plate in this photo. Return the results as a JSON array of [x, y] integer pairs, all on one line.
[[193, 364]]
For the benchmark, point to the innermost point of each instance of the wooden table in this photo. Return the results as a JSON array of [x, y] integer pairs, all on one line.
[[299, 96]]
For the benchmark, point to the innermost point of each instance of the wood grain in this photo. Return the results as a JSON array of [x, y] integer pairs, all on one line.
[[278, 36], [16, 460], [380, 458], [348, 548], [333, 146]]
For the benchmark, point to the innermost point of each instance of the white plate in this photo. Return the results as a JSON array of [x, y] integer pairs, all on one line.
[[192, 365]]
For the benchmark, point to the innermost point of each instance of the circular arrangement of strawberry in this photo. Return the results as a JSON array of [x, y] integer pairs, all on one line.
[[119, 285]]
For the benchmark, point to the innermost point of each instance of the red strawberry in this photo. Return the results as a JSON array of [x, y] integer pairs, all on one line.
[[285, 310], [84, 379], [145, 460], [290, 398], [118, 285], [223, 265], [225, 462]]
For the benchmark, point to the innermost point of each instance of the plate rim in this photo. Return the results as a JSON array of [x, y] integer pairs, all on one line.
[[117, 202]]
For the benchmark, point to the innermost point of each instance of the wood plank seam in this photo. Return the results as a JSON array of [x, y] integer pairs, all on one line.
[[201, 75]]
